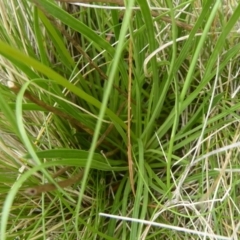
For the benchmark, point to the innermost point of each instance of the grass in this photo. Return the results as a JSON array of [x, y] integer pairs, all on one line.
[[142, 105]]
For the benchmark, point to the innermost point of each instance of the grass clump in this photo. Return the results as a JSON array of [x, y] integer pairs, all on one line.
[[128, 109]]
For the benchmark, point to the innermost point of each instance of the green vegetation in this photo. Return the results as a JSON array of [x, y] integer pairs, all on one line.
[[132, 112]]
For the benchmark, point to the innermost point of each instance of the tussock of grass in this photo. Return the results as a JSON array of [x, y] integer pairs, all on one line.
[[143, 102]]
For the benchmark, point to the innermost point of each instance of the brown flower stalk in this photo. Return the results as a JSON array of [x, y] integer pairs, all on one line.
[[129, 147], [50, 108], [47, 187], [121, 3]]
